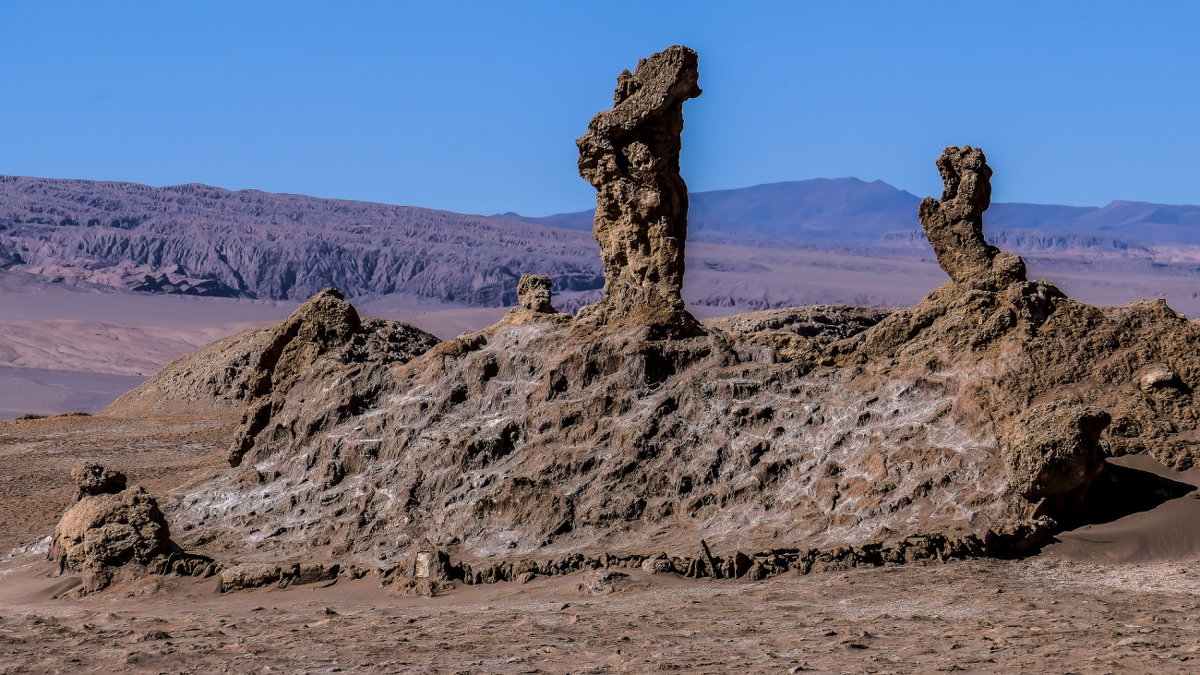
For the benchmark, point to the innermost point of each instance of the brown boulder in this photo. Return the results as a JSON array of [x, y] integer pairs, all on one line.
[[105, 531], [94, 479], [630, 154], [1053, 451], [954, 225], [533, 291], [249, 575]]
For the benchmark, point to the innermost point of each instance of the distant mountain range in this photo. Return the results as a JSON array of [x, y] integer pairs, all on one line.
[[200, 240], [848, 211]]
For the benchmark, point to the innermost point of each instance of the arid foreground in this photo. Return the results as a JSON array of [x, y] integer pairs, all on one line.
[[1096, 602], [1043, 615]]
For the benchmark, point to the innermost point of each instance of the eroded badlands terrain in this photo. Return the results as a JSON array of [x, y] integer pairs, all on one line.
[[997, 478]]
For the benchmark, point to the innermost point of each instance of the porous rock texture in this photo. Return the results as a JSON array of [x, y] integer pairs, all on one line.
[[326, 364], [94, 479], [534, 293], [954, 225], [1054, 450], [535, 305], [109, 527], [630, 154], [971, 423]]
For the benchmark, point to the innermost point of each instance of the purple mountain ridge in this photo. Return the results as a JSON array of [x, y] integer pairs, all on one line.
[[200, 240], [851, 211]]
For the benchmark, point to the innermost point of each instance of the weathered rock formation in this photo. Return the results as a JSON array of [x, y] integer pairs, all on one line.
[[94, 479], [972, 423], [321, 366], [109, 527], [1053, 453], [954, 226], [630, 154], [533, 293], [535, 305]]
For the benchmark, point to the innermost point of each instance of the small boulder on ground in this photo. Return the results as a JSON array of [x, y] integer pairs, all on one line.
[[249, 575], [109, 527], [94, 479], [602, 582]]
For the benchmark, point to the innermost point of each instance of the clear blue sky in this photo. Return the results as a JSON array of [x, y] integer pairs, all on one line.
[[474, 106]]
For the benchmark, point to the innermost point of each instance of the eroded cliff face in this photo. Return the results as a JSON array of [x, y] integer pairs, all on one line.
[[975, 422]]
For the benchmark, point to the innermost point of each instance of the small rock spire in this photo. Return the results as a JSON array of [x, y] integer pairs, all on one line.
[[533, 292], [954, 225]]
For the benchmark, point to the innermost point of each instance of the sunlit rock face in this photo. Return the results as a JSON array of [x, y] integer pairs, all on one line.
[[630, 154]]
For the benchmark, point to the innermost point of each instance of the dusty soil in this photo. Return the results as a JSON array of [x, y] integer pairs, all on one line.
[[1044, 615], [1068, 610], [158, 453]]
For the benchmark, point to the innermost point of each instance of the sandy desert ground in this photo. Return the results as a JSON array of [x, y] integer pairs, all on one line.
[[1043, 615], [1112, 597]]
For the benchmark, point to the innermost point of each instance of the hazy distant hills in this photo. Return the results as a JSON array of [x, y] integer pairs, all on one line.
[[73, 336], [200, 240], [847, 211]]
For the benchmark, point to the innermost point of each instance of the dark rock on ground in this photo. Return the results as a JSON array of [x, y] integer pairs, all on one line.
[[94, 479]]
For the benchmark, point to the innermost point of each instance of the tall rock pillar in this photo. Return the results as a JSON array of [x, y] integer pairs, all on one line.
[[630, 154], [954, 225]]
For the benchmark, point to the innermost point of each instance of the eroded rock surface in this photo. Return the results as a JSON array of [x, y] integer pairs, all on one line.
[[533, 293], [1054, 451], [536, 305], [630, 154], [799, 439], [109, 527], [322, 365], [94, 479], [954, 225]]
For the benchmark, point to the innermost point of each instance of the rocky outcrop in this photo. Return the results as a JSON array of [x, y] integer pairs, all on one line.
[[535, 306], [1053, 453], [533, 293], [802, 335], [111, 526], [954, 225], [630, 154], [94, 479], [847, 435], [321, 366], [1026, 342]]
